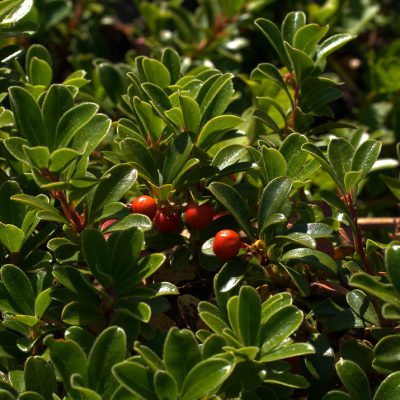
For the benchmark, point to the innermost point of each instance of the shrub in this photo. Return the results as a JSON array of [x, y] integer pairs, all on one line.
[[187, 223]]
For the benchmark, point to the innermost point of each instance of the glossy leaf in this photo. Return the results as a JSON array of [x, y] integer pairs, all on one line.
[[389, 388], [233, 201], [181, 354], [205, 378], [108, 350], [354, 379], [311, 257]]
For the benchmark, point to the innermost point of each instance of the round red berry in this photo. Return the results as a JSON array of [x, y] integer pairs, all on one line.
[[105, 225], [199, 216], [226, 244], [167, 221], [144, 205]]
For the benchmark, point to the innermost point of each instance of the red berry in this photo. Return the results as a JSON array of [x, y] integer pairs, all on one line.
[[199, 216], [105, 225], [226, 244], [167, 222], [144, 205]]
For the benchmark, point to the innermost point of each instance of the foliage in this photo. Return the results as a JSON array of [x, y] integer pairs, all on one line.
[[222, 118]]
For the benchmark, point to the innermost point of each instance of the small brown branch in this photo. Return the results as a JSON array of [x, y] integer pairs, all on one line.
[[378, 222]]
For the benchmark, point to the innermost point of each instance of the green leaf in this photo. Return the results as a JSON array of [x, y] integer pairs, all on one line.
[[191, 113], [299, 238], [332, 44], [112, 80], [274, 304], [249, 315], [362, 306], [181, 354], [336, 395], [351, 179], [114, 184], [146, 267], [393, 184], [302, 64], [307, 37], [292, 350], [317, 92], [40, 73], [387, 355], [89, 136], [229, 155], [143, 222], [365, 156], [28, 117], [170, 58], [354, 379], [61, 158], [142, 159], [68, 359], [11, 212], [389, 388], [11, 237], [57, 102], [176, 157], [108, 350], [272, 199], [373, 286], [313, 229], [205, 378], [291, 150], [392, 262], [80, 314], [40, 204], [96, 252], [217, 97], [13, 11], [287, 379], [234, 203], [39, 377], [42, 302], [30, 396], [291, 24], [38, 156], [340, 155], [311, 257], [72, 121], [156, 72], [269, 71], [136, 378], [149, 123], [165, 386], [274, 163], [320, 157], [157, 96], [278, 327], [271, 32], [19, 288]]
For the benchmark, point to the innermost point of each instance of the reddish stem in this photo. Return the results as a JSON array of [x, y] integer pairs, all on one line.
[[77, 221]]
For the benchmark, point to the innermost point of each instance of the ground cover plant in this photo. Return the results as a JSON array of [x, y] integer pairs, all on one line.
[[199, 200]]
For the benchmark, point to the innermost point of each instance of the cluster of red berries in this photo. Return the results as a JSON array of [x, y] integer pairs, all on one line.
[[168, 219]]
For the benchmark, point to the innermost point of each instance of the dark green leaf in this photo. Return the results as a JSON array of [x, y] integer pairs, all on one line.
[[354, 379], [205, 378], [28, 117], [234, 203], [108, 349], [181, 354], [19, 288]]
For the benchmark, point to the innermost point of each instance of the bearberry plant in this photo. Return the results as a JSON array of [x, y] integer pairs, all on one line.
[[189, 202]]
